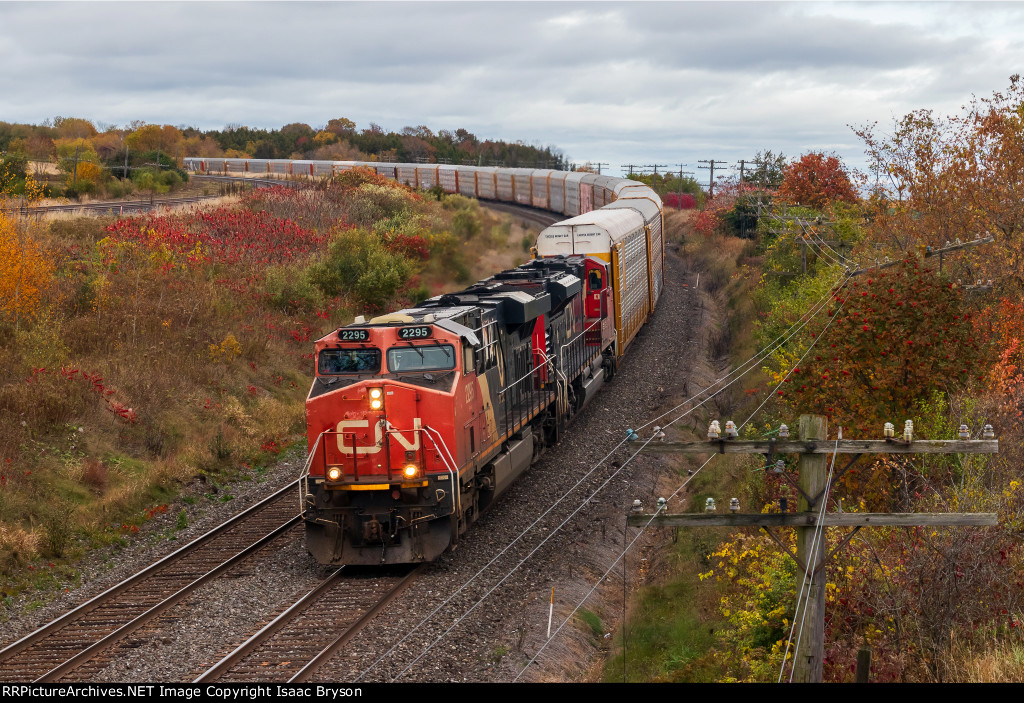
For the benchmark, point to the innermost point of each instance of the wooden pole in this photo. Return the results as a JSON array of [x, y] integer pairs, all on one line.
[[814, 450], [863, 665], [807, 662]]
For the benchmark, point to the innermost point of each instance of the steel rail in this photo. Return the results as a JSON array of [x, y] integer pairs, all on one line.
[[140, 620], [314, 664], [267, 631], [98, 600]]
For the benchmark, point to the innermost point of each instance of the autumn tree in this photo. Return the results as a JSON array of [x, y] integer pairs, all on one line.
[[164, 139], [79, 162], [74, 128], [25, 273], [108, 144], [816, 180], [341, 127], [890, 340], [942, 179]]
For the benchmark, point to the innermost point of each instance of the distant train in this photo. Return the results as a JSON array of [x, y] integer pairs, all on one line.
[[419, 419]]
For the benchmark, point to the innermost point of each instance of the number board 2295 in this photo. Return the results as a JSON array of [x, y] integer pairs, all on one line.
[[414, 333], [346, 335]]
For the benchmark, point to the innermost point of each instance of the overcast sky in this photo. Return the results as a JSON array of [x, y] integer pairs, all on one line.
[[618, 82]]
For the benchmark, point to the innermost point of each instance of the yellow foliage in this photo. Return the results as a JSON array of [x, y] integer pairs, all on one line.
[[33, 190], [25, 272], [86, 171], [226, 350]]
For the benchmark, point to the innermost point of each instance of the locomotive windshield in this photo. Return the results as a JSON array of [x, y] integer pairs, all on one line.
[[339, 361], [439, 357]]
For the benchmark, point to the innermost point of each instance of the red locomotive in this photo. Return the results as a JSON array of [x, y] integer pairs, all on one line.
[[417, 420]]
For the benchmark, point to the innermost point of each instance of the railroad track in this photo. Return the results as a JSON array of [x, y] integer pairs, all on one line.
[[542, 218], [119, 207], [127, 207], [74, 646], [302, 638]]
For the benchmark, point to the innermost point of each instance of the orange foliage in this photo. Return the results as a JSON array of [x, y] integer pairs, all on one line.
[[943, 179], [25, 272], [816, 181]]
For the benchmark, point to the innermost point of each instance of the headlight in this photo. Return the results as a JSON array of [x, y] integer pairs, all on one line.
[[334, 473], [411, 470], [376, 398]]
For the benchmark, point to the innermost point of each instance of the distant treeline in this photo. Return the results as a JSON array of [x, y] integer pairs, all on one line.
[[139, 144]]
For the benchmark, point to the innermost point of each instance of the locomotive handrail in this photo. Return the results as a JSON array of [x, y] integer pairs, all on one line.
[[494, 339], [304, 474], [456, 488], [586, 328], [563, 393]]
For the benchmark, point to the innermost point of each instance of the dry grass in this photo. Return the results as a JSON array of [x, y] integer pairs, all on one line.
[[17, 546], [1000, 662]]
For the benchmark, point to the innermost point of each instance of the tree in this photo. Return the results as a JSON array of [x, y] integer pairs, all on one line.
[[324, 137], [109, 144], [896, 336], [939, 180], [341, 127], [768, 170], [421, 131], [25, 273], [359, 265], [76, 158], [151, 137], [74, 128], [816, 180]]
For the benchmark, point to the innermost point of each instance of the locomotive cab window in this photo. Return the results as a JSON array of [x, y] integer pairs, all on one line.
[[595, 280], [421, 358], [344, 361]]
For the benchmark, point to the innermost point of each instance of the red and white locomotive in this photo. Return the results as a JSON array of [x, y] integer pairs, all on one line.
[[417, 420]]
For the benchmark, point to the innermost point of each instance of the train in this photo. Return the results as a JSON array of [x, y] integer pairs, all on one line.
[[419, 419]]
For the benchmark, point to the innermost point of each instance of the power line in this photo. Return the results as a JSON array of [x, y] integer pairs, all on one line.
[[778, 342], [711, 177], [673, 495]]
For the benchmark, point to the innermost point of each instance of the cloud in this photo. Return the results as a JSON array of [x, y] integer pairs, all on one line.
[[623, 82]]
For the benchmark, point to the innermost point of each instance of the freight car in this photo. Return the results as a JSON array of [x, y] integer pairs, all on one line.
[[419, 419]]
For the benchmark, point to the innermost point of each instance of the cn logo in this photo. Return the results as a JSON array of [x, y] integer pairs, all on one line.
[[346, 428]]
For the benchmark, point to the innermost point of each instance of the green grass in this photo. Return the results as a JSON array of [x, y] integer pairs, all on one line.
[[592, 621], [670, 631]]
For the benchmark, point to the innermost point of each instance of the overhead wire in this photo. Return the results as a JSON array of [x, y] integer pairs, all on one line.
[[817, 540], [758, 357], [770, 395], [551, 534], [773, 346], [494, 559]]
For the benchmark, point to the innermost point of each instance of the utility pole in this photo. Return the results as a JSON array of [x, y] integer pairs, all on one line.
[[74, 172], [599, 164], [655, 167], [813, 484], [681, 172], [630, 167], [743, 163], [711, 178]]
